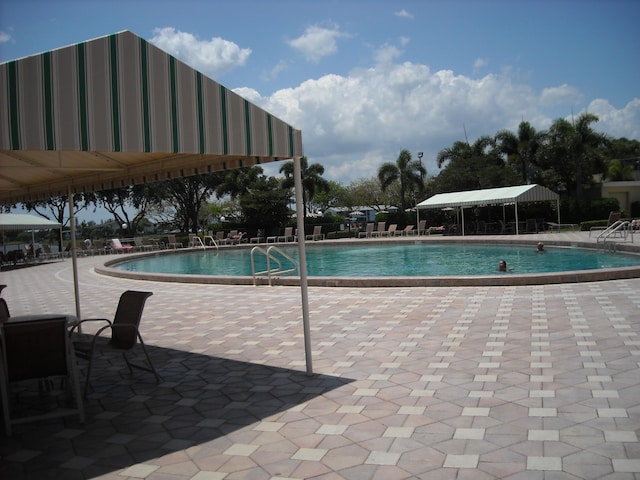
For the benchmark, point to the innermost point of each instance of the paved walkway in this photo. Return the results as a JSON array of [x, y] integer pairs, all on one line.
[[526, 382]]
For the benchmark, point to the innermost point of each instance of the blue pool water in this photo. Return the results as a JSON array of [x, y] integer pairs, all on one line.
[[390, 260]]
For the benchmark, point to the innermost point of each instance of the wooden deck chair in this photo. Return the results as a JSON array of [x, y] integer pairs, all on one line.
[[125, 335], [34, 351]]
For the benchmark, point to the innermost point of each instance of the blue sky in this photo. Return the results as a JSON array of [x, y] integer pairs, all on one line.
[[365, 79]]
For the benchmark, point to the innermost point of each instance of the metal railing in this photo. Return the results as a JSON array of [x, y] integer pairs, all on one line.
[[618, 232], [275, 255]]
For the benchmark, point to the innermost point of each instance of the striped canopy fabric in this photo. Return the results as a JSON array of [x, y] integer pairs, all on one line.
[[118, 111], [490, 196]]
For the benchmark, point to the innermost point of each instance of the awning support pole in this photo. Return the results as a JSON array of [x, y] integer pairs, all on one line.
[[74, 260], [297, 180]]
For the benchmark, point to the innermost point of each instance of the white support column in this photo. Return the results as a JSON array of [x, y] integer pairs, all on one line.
[[74, 260], [297, 179]]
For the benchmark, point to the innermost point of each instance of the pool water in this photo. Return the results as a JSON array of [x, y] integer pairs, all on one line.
[[390, 260]]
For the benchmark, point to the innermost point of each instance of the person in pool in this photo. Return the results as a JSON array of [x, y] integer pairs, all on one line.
[[540, 248], [502, 266]]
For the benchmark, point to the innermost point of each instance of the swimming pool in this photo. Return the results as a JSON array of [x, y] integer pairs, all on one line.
[[391, 264]]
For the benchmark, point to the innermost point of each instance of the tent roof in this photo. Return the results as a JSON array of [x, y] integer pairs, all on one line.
[[117, 111], [489, 196], [15, 222]]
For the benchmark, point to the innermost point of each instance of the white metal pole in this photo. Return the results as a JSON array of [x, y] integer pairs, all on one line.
[[297, 179], [74, 260]]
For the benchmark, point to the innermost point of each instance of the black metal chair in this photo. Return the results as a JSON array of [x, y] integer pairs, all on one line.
[[125, 334], [36, 350]]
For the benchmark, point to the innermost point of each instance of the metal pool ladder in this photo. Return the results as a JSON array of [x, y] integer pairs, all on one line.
[[275, 255], [619, 232]]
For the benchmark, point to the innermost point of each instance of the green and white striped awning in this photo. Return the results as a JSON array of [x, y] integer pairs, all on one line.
[[117, 111], [490, 196]]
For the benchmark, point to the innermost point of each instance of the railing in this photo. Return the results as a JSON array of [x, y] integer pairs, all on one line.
[[272, 254], [195, 242], [617, 232]]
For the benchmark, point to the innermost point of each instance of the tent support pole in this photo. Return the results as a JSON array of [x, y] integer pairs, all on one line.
[[74, 260], [297, 179], [517, 221]]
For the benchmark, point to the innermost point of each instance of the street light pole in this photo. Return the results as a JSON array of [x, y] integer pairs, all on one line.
[[416, 197]]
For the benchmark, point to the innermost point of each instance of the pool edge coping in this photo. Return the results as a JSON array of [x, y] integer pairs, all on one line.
[[510, 279]]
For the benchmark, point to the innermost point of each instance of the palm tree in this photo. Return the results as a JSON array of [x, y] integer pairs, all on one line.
[[522, 149], [574, 151], [408, 173], [312, 181]]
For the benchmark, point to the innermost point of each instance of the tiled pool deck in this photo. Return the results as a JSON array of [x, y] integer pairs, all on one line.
[[479, 382]]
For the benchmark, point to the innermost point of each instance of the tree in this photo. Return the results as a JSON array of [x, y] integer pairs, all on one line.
[[187, 195], [575, 152], [58, 208], [336, 196], [367, 192], [128, 205], [521, 150], [409, 174], [472, 167], [312, 181], [265, 203]]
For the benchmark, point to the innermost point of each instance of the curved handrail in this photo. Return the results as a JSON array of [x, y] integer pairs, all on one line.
[[269, 254], [618, 230]]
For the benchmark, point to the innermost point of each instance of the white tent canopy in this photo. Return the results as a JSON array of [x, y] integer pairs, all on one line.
[[11, 222], [492, 196]]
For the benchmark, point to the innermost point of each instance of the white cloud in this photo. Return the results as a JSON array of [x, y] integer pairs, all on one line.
[[624, 122], [212, 57], [562, 94], [317, 42], [403, 14], [352, 124], [479, 64], [4, 37]]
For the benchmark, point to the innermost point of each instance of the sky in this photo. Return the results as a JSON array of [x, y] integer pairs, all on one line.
[[364, 79]]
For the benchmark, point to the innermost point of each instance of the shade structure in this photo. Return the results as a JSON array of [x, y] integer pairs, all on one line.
[[117, 111], [490, 196], [12, 222], [493, 196]]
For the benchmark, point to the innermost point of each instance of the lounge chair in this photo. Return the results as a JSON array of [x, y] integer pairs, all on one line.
[[408, 230], [317, 233], [613, 218], [368, 232], [173, 243], [125, 333], [37, 350], [287, 236], [380, 230], [140, 245], [118, 247], [422, 227], [259, 238], [391, 232]]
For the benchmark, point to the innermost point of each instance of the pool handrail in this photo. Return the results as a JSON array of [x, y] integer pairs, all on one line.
[[268, 253]]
